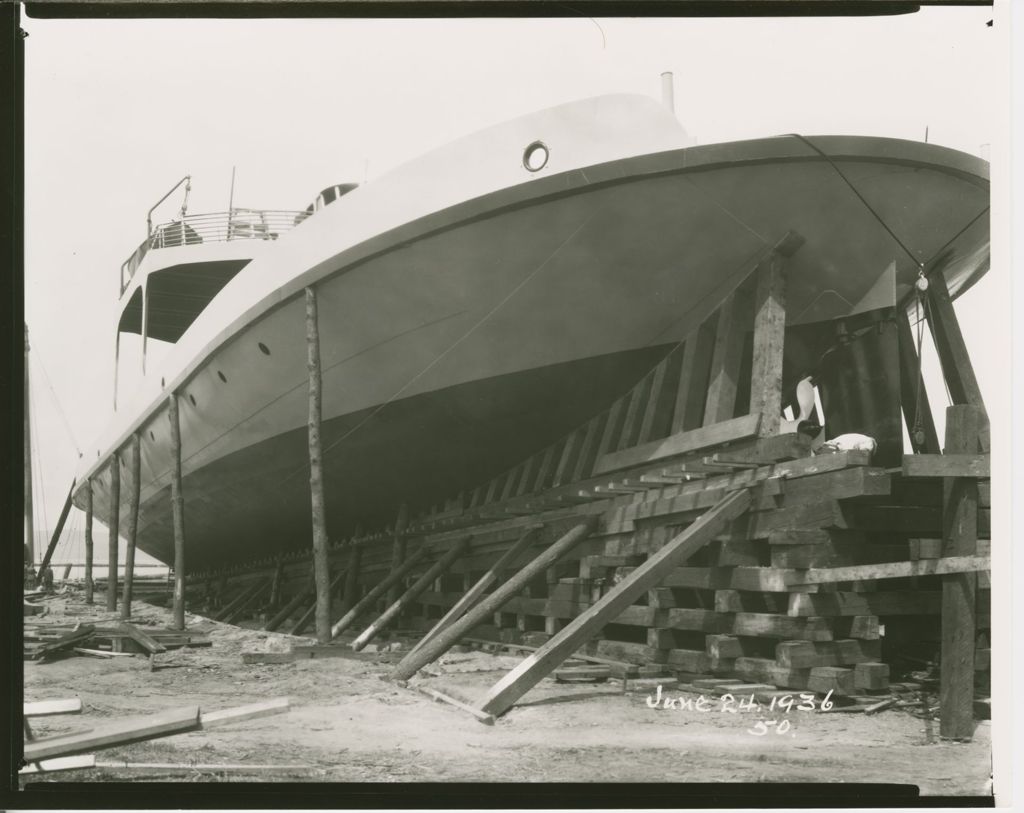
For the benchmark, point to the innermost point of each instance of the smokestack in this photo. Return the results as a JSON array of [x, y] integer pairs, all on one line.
[[668, 93]]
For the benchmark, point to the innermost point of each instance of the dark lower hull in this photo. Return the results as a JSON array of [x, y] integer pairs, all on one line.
[[255, 503]]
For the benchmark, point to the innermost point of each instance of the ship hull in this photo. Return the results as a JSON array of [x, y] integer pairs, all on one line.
[[463, 342]]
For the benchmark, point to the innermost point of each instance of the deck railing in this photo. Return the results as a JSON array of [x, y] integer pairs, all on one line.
[[215, 227]]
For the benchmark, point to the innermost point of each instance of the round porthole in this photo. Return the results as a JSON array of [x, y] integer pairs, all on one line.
[[264, 349], [192, 398], [222, 377], [535, 156]]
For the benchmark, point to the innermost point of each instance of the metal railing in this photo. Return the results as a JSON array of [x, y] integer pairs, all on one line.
[[216, 227]]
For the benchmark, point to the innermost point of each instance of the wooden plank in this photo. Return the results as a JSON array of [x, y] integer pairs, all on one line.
[[964, 423], [913, 393], [520, 680], [957, 369], [544, 469], [807, 654], [265, 708], [769, 339], [441, 697], [473, 595], [694, 370], [398, 548], [151, 645], [307, 616], [44, 708], [74, 763], [727, 431], [512, 481], [916, 602], [588, 451], [367, 601], [946, 465], [612, 429], [733, 323], [634, 412], [120, 732], [112, 529], [765, 625], [131, 531], [657, 417], [529, 472], [437, 569], [891, 570], [511, 587], [567, 461]]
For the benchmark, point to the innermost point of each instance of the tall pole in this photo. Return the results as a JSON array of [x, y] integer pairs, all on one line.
[[398, 547], [177, 513], [114, 526], [316, 474], [132, 529], [30, 531], [88, 541]]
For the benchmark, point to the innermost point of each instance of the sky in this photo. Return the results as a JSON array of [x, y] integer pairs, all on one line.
[[118, 111]]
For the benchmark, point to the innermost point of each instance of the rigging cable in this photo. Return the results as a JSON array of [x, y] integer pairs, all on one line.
[[60, 410]]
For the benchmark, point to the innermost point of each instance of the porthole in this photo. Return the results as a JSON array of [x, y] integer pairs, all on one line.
[[264, 349], [192, 398], [222, 377], [535, 156]]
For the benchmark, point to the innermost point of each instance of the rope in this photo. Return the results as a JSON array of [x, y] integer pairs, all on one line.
[[60, 410]]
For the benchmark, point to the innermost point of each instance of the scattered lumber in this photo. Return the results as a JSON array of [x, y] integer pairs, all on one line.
[[44, 708], [891, 570], [144, 640], [195, 767], [59, 764], [215, 719], [120, 732], [78, 635], [440, 697]]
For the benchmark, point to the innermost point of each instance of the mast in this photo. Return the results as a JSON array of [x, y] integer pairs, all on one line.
[[30, 533]]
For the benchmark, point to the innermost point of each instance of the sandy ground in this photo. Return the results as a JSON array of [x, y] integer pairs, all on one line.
[[347, 723]]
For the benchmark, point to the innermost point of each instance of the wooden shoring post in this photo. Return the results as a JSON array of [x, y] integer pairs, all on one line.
[[439, 568], [471, 596], [733, 319], [694, 369], [293, 604], [177, 514], [88, 542], [658, 413], [957, 369], [638, 397], [769, 343], [398, 548], [524, 677], [959, 591], [321, 567], [913, 393], [275, 585], [355, 556], [307, 616], [131, 532], [30, 531], [114, 529], [393, 577], [447, 638]]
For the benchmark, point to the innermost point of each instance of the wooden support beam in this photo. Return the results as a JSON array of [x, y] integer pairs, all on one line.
[[913, 392], [544, 469], [241, 598], [612, 429], [113, 530], [307, 616], [657, 418], [321, 566], [143, 639], [694, 370], [964, 423], [733, 322], [293, 604], [473, 595], [398, 548], [355, 557], [946, 465], [638, 397], [120, 732], [890, 570], [440, 697], [417, 588], [177, 514], [524, 677], [769, 341], [957, 369], [367, 601], [588, 451], [88, 543], [727, 431], [275, 583], [448, 637], [238, 714], [133, 526], [567, 461]]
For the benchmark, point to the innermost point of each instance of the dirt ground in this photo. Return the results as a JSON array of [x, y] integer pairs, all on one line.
[[347, 723]]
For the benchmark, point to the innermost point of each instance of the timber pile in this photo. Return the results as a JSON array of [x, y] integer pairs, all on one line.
[[68, 751], [42, 641]]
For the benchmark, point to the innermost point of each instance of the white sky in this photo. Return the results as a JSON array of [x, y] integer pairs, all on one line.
[[118, 111]]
